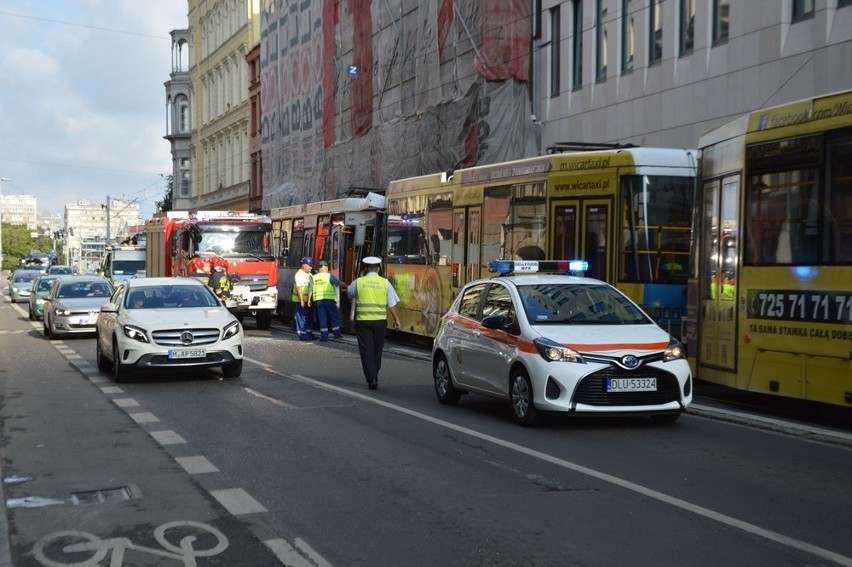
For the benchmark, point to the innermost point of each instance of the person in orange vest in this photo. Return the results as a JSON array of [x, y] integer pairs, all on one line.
[[374, 296]]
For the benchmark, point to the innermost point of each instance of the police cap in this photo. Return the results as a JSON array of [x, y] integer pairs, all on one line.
[[372, 260]]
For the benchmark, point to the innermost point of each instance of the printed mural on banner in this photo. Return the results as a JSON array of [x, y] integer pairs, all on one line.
[[354, 95]]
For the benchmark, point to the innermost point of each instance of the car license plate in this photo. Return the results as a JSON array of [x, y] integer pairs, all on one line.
[[86, 321], [188, 353], [240, 290], [631, 385]]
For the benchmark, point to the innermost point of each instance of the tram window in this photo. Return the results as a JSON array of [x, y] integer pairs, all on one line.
[[784, 218], [656, 228], [839, 202], [406, 240]]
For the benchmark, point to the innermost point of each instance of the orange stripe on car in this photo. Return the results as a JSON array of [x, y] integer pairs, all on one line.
[[526, 345]]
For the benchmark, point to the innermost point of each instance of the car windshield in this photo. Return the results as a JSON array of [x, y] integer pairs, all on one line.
[[76, 290], [580, 304], [25, 276], [128, 267], [170, 297], [44, 284], [61, 270]]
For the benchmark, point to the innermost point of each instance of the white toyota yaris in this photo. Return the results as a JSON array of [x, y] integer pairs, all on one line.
[[559, 344], [167, 323]]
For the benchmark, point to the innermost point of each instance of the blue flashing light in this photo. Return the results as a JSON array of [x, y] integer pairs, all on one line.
[[578, 266]]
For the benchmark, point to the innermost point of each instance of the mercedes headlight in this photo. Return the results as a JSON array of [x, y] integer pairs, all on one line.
[[136, 334], [230, 330]]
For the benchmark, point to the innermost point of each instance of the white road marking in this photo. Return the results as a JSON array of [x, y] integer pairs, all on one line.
[[602, 476], [143, 417], [196, 465], [310, 552], [108, 390], [237, 501], [269, 399], [126, 402], [167, 437], [286, 554]]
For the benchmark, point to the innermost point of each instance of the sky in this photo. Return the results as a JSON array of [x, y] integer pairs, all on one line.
[[82, 100]]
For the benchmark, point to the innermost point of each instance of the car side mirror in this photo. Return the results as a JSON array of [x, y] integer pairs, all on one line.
[[109, 308], [494, 322]]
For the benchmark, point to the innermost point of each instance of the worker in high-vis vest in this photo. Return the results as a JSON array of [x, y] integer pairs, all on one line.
[[374, 296], [325, 300], [303, 284]]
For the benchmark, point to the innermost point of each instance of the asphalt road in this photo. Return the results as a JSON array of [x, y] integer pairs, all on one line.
[[297, 463]]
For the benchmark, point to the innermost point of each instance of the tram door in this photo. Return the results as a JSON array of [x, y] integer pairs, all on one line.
[[718, 286], [467, 265], [580, 231]]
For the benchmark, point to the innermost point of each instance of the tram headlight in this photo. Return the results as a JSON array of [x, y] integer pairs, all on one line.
[[674, 351]]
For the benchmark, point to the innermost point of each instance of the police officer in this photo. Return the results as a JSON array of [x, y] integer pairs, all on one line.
[[325, 300], [303, 284], [374, 296]]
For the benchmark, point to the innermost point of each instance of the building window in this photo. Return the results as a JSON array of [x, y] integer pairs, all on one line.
[[602, 54], [628, 48], [655, 32], [577, 71], [803, 9], [183, 115], [183, 175], [721, 17], [554, 51], [687, 25]]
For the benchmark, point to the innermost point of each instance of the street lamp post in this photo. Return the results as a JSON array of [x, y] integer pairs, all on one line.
[[2, 181]]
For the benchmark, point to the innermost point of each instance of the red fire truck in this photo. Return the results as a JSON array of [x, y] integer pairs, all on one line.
[[243, 239]]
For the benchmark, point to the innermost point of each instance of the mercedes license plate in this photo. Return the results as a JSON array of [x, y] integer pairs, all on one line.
[[188, 353], [631, 385]]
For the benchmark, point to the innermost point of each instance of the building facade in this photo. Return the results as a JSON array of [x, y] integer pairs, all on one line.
[[660, 73], [19, 209], [89, 227], [222, 32], [365, 92], [178, 120]]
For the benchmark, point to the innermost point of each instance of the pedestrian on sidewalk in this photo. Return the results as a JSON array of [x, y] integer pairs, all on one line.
[[303, 283], [326, 286], [374, 296]]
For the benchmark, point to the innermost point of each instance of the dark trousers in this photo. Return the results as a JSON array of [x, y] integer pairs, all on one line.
[[328, 319], [304, 322], [371, 341]]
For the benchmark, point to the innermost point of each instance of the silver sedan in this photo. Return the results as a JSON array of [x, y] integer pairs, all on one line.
[[73, 304]]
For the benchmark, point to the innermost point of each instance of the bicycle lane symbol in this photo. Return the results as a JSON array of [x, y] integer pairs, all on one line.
[[81, 549]]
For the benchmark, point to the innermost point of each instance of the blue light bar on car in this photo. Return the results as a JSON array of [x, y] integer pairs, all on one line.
[[506, 267]]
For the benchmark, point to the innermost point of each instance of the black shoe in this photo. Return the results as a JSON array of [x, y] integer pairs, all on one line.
[[373, 385]]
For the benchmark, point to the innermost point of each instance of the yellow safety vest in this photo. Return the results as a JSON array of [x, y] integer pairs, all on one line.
[[371, 300], [322, 287], [305, 289]]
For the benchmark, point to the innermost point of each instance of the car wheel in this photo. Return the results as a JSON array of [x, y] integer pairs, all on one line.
[[103, 361], [666, 417], [524, 411], [263, 320], [120, 372], [47, 330], [232, 369], [444, 388]]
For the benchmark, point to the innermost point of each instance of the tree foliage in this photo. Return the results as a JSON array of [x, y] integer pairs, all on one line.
[[166, 204], [18, 243]]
